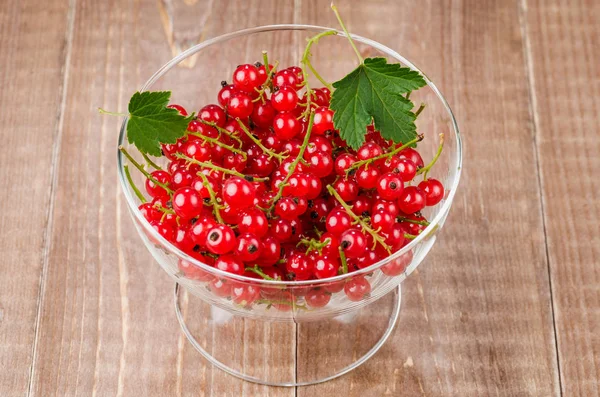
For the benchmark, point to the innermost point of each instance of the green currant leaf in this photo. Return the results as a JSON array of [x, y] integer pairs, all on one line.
[[151, 122], [374, 91]]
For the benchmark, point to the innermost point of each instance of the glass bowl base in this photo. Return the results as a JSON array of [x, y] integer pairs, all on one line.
[[282, 353]]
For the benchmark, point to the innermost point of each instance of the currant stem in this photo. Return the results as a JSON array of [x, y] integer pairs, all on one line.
[[306, 59], [213, 197], [133, 187], [257, 270], [426, 169], [150, 162], [267, 151], [143, 171], [294, 164], [219, 143], [384, 155], [102, 111], [339, 18], [409, 236], [407, 220], [217, 168], [376, 237], [343, 260], [222, 130], [419, 110], [313, 245]]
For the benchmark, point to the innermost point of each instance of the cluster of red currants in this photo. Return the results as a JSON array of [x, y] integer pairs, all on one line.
[[262, 185]]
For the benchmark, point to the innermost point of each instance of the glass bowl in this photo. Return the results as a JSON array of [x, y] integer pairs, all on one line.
[[195, 83]]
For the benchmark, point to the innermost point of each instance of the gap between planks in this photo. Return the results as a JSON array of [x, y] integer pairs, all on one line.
[[57, 139], [533, 112]]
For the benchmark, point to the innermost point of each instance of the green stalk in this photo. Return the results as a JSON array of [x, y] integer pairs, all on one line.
[[343, 260], [267, 151], [339, 18], [221, 130], [257, 270], [213, 197], [217, 168], [150, 162], [143, 171], [295, 162], [426, 169], [102, 111], [376, 237], [384, 155], [215, 141], [135, 188], [306, 59]]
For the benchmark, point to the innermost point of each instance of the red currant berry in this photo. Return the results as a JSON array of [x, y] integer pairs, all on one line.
[[240, 105], [314, 187], [297, 71], [406, 169], [369, 150], [221, 240], [246, 78], [164, 229], [263, 114], [244, 294], [286, 126], [169, 150], [398, 265], [337, 222], [382, 220], [225, 93], [362, 205], [320, 164], [263, 73], [386, 205], [282, 229], [317, 298], [390, 186], [253, 220], [319, 210], [357, 289], [179, 108], [197, 150], [343, 162], [411, 200], [292, 147], [183, 238], [318, 144], [187, 203], [198, 185], [193, 272], [389, 164], [298, 267], [353, 243], [199, 230], [149, 212], [221, 288], [213, 114], [285, 78], [433, 189], [333, 245], [270, 251], [155, 190], [248, 247], [412, 155], [261, 165], [324, 267], [285, 99], [367, 176], [238, 192], [322, 121], [347, 189], [286, 208], [395, 237]]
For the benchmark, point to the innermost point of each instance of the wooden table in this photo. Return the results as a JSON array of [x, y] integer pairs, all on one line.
[[508, 303]]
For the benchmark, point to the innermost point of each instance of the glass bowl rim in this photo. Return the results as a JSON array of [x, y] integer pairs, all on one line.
[[220, 273]]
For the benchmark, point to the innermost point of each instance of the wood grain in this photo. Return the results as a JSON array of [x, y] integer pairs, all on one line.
[[505, 305], [107, 325], [476, 318], [33, 46], [564, 40]]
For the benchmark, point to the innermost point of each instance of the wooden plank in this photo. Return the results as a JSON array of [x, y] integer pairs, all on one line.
[[31, 77], [565, 79], [476, 318], [107, 325]]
